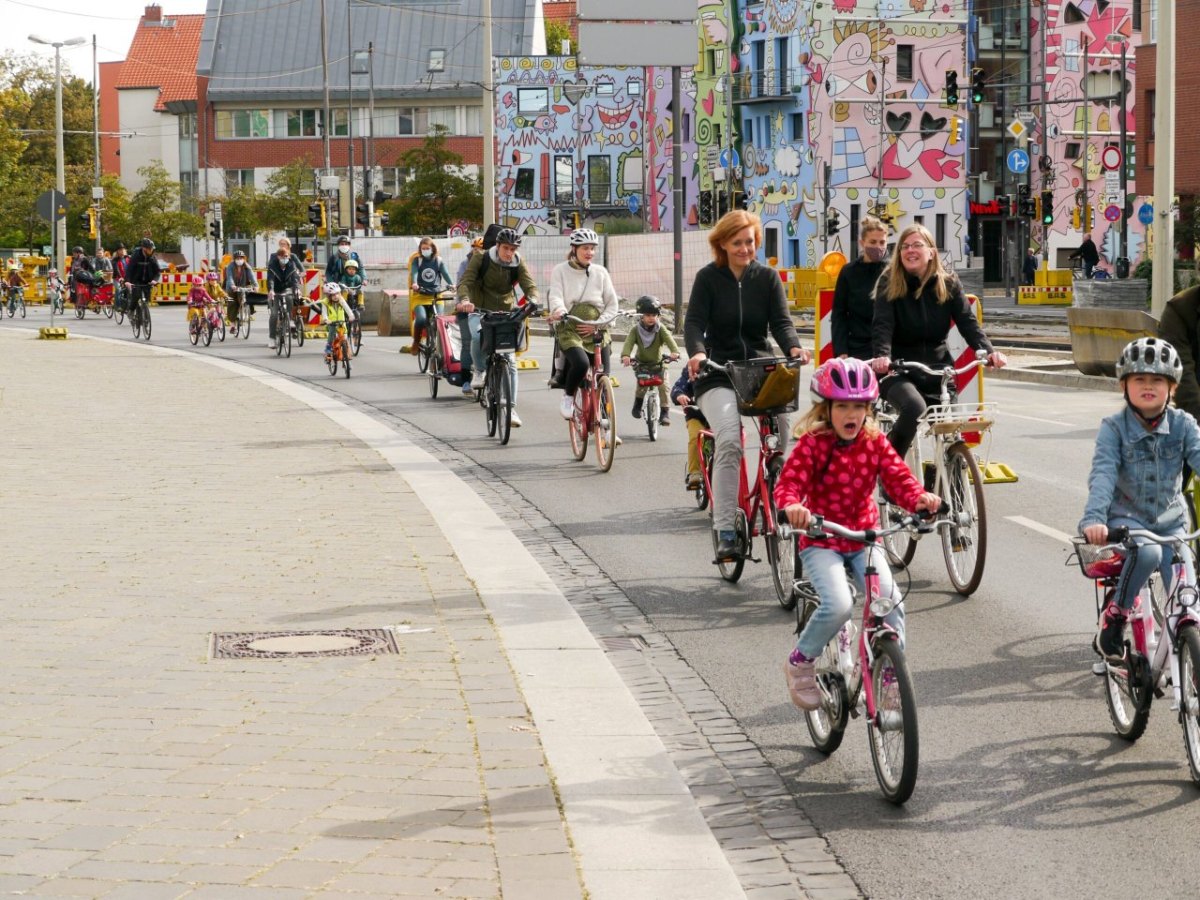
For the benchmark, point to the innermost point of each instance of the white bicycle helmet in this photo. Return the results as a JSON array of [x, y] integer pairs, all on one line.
[[1150, 356], [582, 236], [332, 288]]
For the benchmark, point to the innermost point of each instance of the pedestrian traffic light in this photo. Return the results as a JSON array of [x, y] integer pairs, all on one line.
[[740, 200], [215, 230], [362, 214], [89, 219], [552, 218], [706, 208], [977, 86], [955, 129], [382, 197], [951, 87], [1026, 208], [833, 221], [1047, 207]]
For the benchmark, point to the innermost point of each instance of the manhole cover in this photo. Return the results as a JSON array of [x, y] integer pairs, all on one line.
[[288, 644]]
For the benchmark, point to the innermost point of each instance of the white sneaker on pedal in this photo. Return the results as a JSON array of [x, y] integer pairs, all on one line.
[[477, 381], [567, 406], [270, 345], [514, 419]]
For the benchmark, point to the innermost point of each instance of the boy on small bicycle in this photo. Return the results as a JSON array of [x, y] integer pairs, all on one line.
[[1137, 476], [337, 312], [645, 347], [681, 394], [838, 457], [351, 283]]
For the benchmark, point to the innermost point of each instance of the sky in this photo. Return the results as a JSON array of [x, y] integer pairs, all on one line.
[[113, 22]]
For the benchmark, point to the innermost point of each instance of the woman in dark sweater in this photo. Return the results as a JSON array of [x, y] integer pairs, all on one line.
[[734, 301], [916, 301], [853, 295]]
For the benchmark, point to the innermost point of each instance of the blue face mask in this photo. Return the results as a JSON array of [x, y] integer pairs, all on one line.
[[426, 253]]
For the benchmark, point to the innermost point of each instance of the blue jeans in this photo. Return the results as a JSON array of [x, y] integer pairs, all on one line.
[[421, 315], [825, 570], [476, 360], [1150, 556]]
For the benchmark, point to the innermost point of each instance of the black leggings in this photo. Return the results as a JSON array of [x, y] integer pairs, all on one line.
[[909, 397], [575, 365]]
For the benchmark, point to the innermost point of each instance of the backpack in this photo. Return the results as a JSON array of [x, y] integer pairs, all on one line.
[[489, 236], [487, 261]]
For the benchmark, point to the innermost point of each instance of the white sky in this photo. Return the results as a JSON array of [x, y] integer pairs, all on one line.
[[113, 22]]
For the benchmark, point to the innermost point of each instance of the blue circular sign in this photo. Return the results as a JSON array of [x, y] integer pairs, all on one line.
[[1146, 213], [634, 204], [723, 160], [1018, 161]]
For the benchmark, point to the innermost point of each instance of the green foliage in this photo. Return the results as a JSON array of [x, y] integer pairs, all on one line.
[[623, 225], [556, 33], [155, 210], [436, 196], [284, 205]]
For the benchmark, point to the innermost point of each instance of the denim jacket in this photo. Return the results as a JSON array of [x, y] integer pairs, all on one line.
[[1138, 474]]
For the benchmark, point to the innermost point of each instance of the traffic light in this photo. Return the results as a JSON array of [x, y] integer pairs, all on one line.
[[215, 230], [552, 218], [951, 87], [1026, 208], [740, 200], [833, 221], [1047, 207], [362, 214], [382, 197], [955, 129], [977, 86], [89, 219], [575, 221], [706, 208], [384, 218]]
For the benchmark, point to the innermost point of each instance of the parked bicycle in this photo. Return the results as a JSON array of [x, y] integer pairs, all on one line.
[[499, 337], [873, 646], [1162, 636], [942, 459], [595, 413], [766, 389]]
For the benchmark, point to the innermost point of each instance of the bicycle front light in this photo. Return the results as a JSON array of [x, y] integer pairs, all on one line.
[[772, 442]]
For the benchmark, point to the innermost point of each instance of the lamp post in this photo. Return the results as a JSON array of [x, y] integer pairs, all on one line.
[[60, 175], [1123, 248]]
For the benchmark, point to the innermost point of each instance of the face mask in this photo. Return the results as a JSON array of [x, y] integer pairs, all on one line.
[[239, 262], [343, 249], [426, 253], [875, 254]]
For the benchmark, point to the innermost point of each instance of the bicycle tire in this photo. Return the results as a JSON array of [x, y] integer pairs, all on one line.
[[194, 330], [356, 334], [731, 569], [80, 310], [576, 425], [423, 353], [895, 747], [135, 323], [144, 315], [651, 411], [1189, 685], [21, 306], [299, 323], [964, 544], [781, 554], [433, 385], [827, 724], [207, 331], [707, 448], [504, 401], [606, 438], [106, 309], [118, 312], [491, 402], [1127, 691], [346, 353], [221, 329], [331, 361]]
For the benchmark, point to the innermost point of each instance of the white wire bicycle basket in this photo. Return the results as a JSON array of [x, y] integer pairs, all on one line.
[[970, 422]]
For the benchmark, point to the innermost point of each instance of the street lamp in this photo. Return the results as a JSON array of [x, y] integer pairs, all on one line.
[[60, 175]]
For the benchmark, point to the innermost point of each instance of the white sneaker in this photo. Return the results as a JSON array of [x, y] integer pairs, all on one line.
[[567, 406], [514, 419], [477, 381], [270, 345]]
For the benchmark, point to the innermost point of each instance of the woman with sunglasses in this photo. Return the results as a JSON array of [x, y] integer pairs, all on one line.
[[916, 301]]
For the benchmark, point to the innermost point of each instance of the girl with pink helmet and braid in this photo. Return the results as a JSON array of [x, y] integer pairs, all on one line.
[[838, 457]]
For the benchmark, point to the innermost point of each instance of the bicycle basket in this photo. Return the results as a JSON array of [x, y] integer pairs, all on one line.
[[765, 386], [498, 335], [1098, 560], [649, 377]]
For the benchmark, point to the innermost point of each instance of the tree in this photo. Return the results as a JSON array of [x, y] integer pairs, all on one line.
[[155, 209], [290, 190], [436, 196], [556, 33]]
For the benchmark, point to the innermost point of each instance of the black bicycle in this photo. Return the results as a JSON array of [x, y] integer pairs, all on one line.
[[139, 311], [499, 336], [287, 315], [354, 301]]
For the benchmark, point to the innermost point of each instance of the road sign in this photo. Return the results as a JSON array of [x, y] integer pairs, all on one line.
[[215, 208], [1018, 161], [1018, 129], [1026, 117], [1146, 213], [634, 204], [1112, 213], [723, 160], [1110, 158], [51, 206]]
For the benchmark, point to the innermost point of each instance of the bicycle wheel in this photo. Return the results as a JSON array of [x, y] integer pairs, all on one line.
[[221, 329], [706, 459], [345, 356], [827, 725], [893, 734], [605, 437], [135, 322], [118, 312], [80, 310], [731, 569], [332, 360], [1127, 693], [424, 350], [144, 315], [964, 543], [504, 400], [1189, 686], [651, 412], [194, 330], [299, 323], [21, 308], [356, 334], [781, 556], [106, 309], [576, 424], [491, 399], [285, 335], [207, 330]]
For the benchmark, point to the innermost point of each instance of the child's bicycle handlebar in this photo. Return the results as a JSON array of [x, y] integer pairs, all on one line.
[[821, 528]]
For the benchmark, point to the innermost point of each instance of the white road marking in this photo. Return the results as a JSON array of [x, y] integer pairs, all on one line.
[[1059, 422], [1042, 529]]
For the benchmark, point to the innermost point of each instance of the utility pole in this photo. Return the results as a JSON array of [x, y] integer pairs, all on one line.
[[1163, 284], [488, 120], [325, 123], [1047, 180], [1087, 154], [350, 109], [1126, 207]]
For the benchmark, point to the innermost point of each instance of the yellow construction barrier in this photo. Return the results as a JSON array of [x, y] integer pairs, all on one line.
[[803, 285]]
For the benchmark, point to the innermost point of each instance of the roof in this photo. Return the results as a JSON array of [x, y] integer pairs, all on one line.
[[163, 55], [266, 50]]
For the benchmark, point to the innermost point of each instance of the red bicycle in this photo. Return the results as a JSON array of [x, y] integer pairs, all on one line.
[[766, 389], [595, 405]]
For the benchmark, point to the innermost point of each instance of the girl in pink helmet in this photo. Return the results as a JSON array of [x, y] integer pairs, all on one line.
[[838, 457]]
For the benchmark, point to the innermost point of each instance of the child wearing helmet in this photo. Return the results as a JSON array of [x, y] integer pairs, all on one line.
[[1137, 476], [645, 346], [197, 298], [212, 286], [838, 457], [337, 312]]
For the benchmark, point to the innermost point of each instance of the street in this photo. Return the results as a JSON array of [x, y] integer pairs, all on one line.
[[1023, 784]]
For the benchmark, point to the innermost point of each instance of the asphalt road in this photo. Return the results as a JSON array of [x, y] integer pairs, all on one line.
[[1024, 789]]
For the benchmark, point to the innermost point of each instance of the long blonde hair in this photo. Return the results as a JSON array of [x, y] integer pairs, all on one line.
[[895, 278], [820, 418]]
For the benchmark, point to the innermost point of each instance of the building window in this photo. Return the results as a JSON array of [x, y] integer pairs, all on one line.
[[748, 131], [1137, 15], [443, 117], [296, 123], [533, 101], [904, 62], [414, 121], [599, 179], [242, 123], [239, 178], [604, 88], [686, 131], [187, 125], [474, 124], [437, 61], [797, 123], [564, 193], [524, 186], [940, 231], [341, 122], [1071, 151]]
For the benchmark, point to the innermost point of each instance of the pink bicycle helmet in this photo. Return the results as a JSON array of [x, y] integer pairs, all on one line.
[[212, 276], [845, 379], [197, 279]]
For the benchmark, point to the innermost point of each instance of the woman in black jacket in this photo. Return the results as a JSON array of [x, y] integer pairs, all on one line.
[[854, 293], [916, 301], [734, 301]]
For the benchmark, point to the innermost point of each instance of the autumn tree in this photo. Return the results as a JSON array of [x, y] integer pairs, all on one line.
[[437, 195]]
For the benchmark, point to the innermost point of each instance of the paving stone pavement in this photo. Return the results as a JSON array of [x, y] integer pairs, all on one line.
[[165, 500]]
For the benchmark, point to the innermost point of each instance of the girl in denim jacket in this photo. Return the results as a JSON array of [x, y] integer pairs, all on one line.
[[1137, 475]]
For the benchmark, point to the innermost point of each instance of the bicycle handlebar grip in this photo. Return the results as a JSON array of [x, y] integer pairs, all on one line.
[[1118, 534]]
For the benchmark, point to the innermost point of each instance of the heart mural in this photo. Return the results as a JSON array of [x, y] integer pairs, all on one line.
[[931, 126], [574, 91], [898, 124]]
